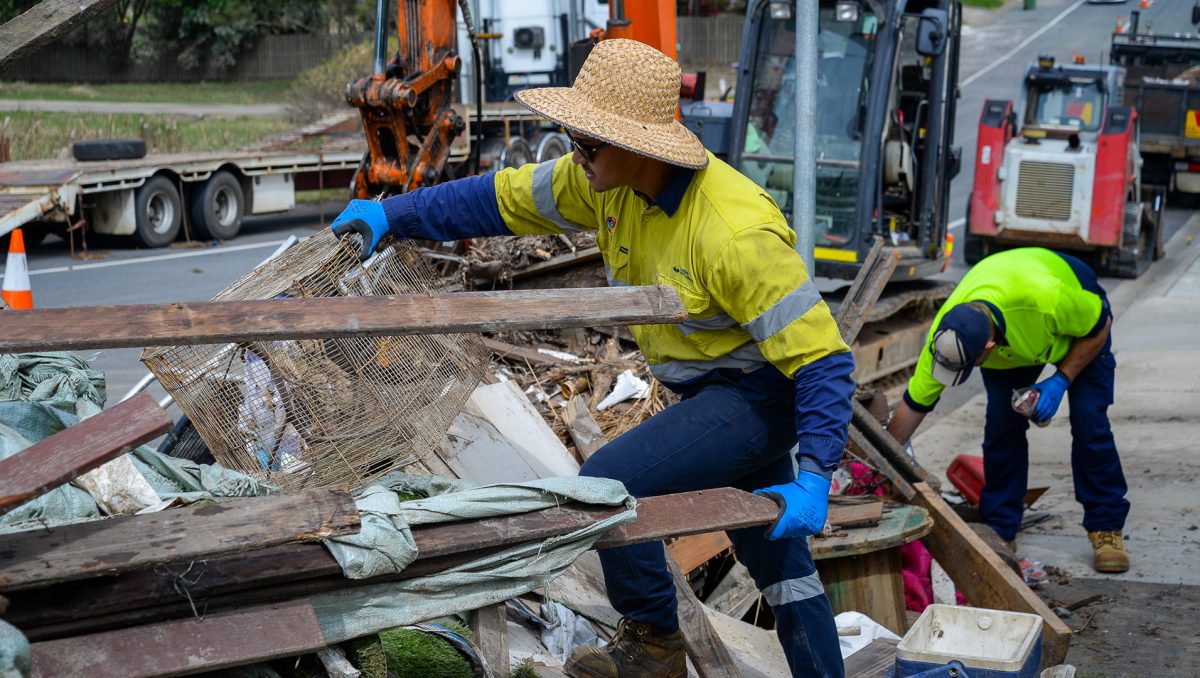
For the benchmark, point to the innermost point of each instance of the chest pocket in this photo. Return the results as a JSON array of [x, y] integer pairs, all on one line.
[[695, 300]]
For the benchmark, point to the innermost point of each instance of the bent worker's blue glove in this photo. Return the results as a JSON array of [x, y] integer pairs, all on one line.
[[368, 220], [803, 506], [1050, 396]]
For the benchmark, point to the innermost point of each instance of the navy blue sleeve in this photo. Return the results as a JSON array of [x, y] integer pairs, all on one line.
[[916, 406], [824, 389], [455, 210]]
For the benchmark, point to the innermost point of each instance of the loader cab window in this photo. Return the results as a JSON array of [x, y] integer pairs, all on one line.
[[845, 51], [1073, 102]]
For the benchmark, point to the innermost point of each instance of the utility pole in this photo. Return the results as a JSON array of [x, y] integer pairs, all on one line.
[[804, 178]]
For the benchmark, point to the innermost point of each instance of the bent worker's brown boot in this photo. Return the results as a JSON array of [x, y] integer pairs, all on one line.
[[1108, 547], [635, 652]]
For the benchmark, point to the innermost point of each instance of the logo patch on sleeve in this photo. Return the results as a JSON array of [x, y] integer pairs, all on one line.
[[610, 223]]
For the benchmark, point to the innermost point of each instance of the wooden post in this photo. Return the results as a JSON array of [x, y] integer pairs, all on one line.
[[490, 626], [709, 654]]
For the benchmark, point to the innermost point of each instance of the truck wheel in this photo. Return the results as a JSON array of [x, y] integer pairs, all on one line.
[[517, 154], [218, 206], [158, 212], [1138, 244], [552, 146], [109, 149]]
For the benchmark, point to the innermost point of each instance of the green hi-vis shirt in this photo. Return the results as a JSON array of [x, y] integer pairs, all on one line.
[[726, 249], [1044, 307]]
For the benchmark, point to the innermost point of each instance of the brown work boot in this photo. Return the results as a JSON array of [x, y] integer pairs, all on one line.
[[635, 652], [1109, 550]]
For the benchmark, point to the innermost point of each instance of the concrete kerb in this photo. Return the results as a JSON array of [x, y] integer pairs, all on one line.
[[1180, 253]]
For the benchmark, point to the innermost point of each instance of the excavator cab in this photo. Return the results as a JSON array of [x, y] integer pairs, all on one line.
[[884, 127]]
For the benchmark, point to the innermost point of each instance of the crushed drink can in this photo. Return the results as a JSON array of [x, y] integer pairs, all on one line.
[[1024, 403]]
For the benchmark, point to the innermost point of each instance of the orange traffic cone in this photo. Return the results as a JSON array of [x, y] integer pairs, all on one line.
[[17, 293], [1120, 26], [1145, 4]]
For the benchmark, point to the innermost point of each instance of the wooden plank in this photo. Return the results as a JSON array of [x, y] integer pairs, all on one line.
[[873, 661], [84, 550], [854, 511], [710, 657], [736, 593], [70, 453], [582, 427], [678, 515], [185, 646], [692, 552], [138, 325], [42, 23], [876, 460], [889, 447], [856, 306], [982, 576], [490, 626], [504, 350]]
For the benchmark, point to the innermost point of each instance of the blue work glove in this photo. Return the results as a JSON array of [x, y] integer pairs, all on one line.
[[1050, 396], [803, 506], [367, 219]]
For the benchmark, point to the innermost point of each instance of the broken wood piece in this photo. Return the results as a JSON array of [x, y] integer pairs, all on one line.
[[138, 325], [582, 428], [889, 447], [874, 660], [876, 271], [210, 643], [490, 628], [710, 657], [42, 557], [849, 630], [692, 552], [678, 515], [982, 576], [87, 445], [41, 24], [859, 443], [854, 511], [735, 594], [504, 350]]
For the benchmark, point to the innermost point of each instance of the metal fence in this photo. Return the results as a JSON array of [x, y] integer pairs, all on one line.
[[709, 40], [274, 57]]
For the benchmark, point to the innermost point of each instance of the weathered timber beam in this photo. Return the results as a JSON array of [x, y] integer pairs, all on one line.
[[42, 23], [138, 325], [889, 447], [70, 453], [982, 576], [856, 306], [36, 558], [302, 569]]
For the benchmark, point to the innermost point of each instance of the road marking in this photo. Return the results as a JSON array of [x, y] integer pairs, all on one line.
[[956, 223], [158, 257], [1024, 43]]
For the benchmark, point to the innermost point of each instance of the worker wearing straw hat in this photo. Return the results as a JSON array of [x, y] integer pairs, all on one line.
[[759, 363]]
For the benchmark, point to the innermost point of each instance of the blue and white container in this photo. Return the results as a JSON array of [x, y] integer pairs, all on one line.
[[989, 643]]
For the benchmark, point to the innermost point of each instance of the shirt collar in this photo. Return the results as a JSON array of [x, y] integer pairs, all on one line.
[[670, 197], [997, 316]]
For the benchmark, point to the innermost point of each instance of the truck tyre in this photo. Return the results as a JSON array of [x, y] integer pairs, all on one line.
[[218, 206], [109, 149], [1137, 244], [552, 146], [517, 154], [158, 212], [974, 247]]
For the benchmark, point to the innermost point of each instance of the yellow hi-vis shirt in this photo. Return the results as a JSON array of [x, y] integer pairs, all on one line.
[[727, 250]]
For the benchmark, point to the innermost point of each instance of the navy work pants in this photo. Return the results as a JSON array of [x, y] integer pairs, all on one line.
[[730, 429], [1099, 482]]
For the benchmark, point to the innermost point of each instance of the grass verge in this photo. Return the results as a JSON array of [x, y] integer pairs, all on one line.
[[261, 92], [40, 135], [986, 4]]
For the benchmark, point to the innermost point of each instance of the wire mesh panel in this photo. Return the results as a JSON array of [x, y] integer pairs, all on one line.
[[320, 412]]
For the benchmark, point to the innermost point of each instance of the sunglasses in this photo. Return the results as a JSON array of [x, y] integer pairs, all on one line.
[[588, 152]]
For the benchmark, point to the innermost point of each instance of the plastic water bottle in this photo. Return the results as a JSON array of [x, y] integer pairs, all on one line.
[[1024, 403]]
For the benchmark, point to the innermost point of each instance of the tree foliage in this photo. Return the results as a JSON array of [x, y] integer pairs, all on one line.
[[199, 33]]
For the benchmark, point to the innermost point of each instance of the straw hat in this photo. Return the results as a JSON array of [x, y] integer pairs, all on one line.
[[626, 95]]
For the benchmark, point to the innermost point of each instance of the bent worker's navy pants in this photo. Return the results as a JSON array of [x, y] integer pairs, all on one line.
[[1099, 482], [731, 429]]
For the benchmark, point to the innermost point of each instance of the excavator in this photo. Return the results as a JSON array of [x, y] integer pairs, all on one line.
[[887, 83]]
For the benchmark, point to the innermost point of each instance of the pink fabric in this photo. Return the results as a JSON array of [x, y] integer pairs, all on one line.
[[915, 562]]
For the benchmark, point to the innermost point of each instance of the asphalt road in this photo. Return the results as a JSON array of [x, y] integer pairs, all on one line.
[[993, 59]]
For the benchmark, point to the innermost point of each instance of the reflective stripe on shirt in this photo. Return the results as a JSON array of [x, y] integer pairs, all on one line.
[[788, 309], [745, 358], [543, 197]]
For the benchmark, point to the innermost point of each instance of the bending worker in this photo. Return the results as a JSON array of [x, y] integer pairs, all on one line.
[[1011, 314], [759, 363]]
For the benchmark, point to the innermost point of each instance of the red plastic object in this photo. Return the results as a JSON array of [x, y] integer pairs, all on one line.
[[966, 474]]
